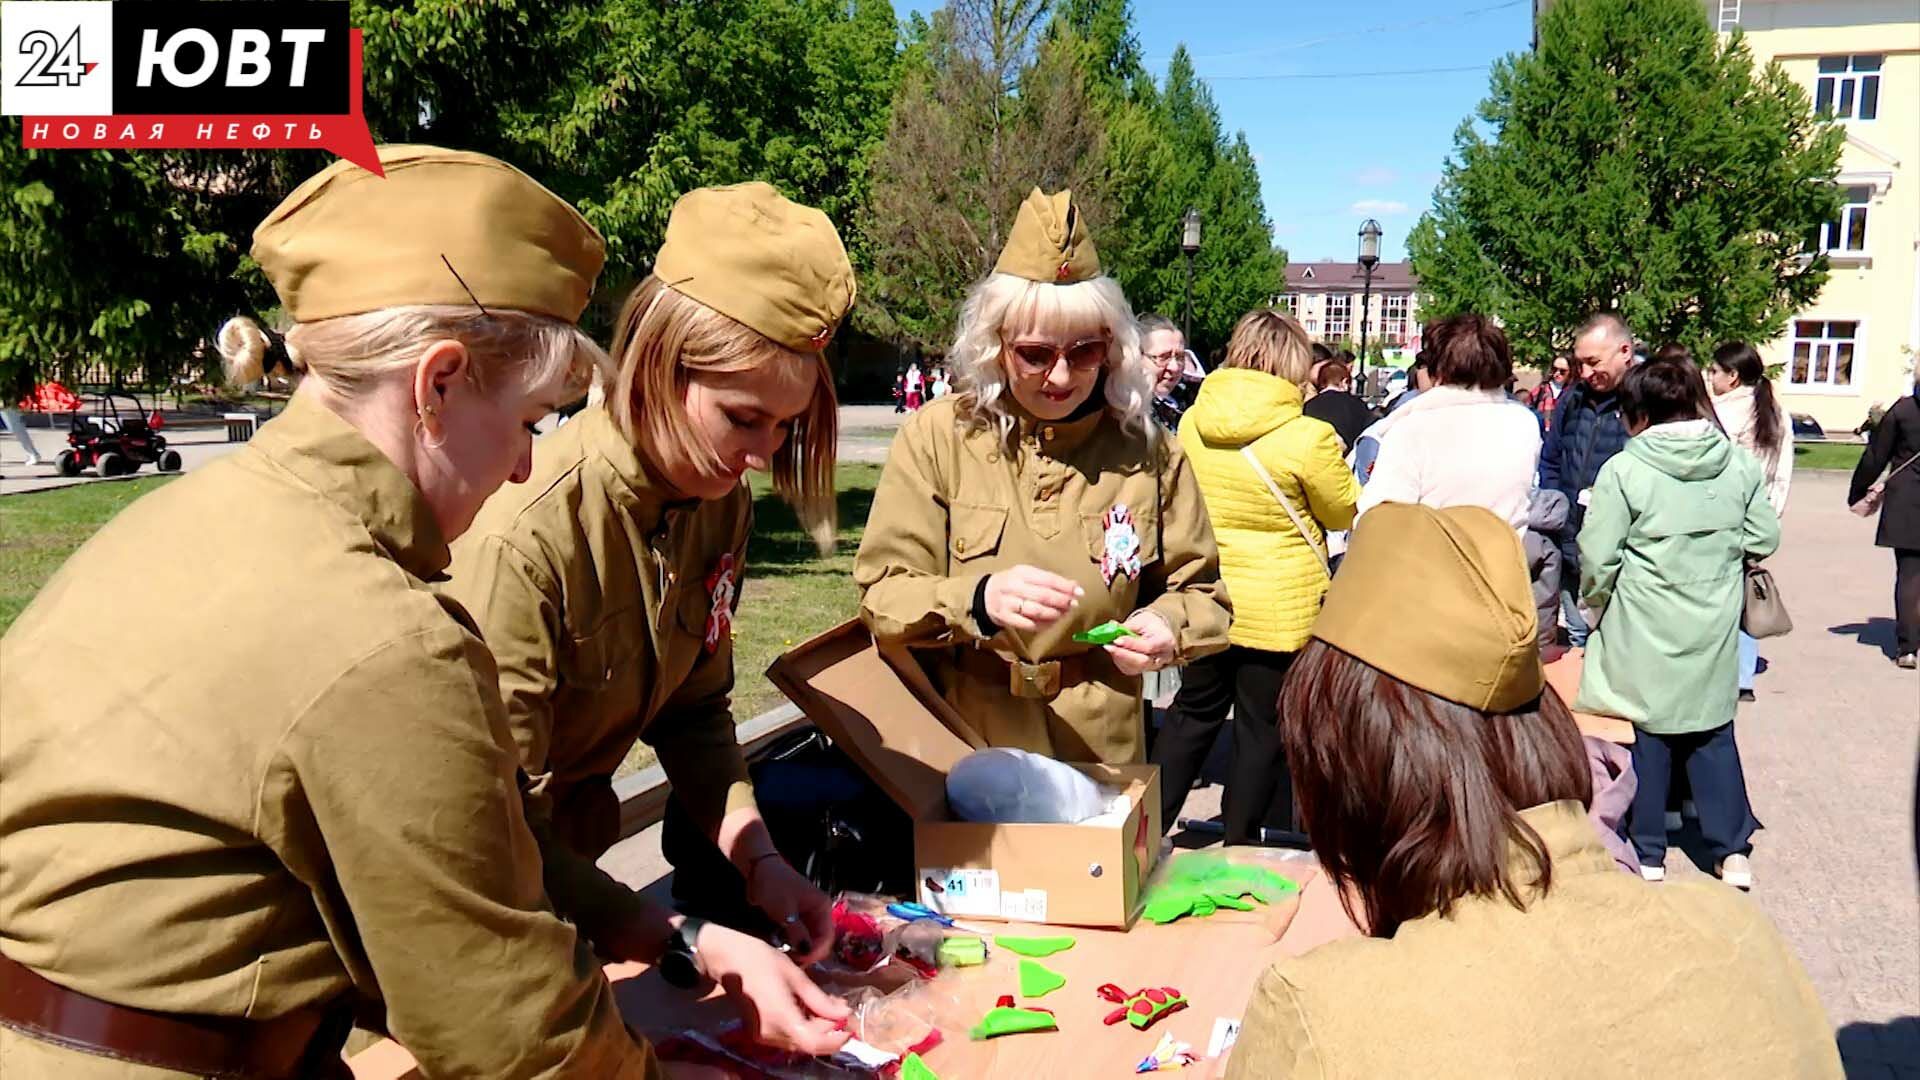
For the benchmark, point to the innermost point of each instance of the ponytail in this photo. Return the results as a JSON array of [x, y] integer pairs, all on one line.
[[1743, 360], [1767, 428]]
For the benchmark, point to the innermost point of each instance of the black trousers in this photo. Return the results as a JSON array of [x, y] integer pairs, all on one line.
[[1259, 790], [1712, 763], [1906, 600]]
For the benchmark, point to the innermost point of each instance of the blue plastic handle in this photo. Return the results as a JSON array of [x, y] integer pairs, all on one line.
[[912, 911]]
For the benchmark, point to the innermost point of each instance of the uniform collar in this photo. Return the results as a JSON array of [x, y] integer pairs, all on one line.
[[1055, 438], [330, 455], [1571, 843], [641, 492]]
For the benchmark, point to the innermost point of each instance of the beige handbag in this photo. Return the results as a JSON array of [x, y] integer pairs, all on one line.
[[1765, 614], [1869, 503]]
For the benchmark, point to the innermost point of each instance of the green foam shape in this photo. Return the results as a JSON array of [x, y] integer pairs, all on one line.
[[1034, 946], [963, 952], [912, 1068], [1036, 980], [1105, 634], [1004, 1021]]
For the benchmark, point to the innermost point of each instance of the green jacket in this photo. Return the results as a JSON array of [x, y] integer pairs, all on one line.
[[1662, 551]]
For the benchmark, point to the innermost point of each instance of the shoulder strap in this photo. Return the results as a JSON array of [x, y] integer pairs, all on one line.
[[1287, 505]]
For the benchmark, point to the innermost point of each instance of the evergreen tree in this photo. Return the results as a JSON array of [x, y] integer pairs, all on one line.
[[1634, 162]]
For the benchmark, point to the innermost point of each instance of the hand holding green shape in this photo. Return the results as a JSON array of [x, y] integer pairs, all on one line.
[[1105, 634]]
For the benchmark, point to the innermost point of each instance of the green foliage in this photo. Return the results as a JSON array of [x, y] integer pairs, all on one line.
[[133, 259], [994, 107], [1634, 162], [126, 260]]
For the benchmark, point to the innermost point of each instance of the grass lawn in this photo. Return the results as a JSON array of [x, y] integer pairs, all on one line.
[[790, 592], [1837, 456]]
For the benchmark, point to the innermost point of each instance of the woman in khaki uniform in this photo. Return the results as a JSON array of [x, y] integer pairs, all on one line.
[[1036, 502], [256, 773], [606, 587]]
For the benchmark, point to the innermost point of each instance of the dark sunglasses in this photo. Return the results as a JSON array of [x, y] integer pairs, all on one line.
[[1038, 358]]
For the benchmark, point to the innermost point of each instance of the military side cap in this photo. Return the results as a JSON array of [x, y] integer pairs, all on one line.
[[761, 259], [443, 227], [1441, 600], [1049, 242]]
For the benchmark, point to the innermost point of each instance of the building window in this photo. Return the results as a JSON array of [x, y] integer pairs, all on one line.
[[1846, 233], [1848, 87], [1393, 317], [1290, 303], [1312, 327], [1823, 354], [1339, 316]]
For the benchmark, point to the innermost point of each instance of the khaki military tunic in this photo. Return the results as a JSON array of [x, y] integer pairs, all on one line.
[[954, 507], [250, 763], [608, 602]]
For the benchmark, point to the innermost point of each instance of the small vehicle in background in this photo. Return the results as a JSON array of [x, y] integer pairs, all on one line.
[[116, 443]]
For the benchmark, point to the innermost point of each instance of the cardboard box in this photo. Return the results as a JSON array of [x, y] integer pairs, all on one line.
[[884, 714]]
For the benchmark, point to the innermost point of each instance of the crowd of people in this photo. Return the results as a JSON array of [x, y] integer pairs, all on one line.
[[376, 749]]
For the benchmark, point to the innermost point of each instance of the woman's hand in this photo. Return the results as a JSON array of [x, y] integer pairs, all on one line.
[[1149, 648], [803, 912], [780, 1005], [1027, 597]]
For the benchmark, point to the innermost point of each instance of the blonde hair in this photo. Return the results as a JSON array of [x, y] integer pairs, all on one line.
[[1004, 304], [662, 339], [1271, 341], [351, 353]]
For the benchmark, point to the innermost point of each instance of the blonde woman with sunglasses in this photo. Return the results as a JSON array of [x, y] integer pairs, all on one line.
[[1036, 503]]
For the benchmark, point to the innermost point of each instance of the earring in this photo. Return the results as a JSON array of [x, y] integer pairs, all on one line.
[[427, 427]]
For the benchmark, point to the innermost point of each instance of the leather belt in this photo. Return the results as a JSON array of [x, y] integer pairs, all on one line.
[[290, 1047], [1043, 681]]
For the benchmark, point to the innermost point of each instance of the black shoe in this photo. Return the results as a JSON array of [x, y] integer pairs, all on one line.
[[1747, 695]]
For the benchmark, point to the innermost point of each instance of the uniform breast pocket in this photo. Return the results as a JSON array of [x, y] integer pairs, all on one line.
[[604, 658], [974, 531]]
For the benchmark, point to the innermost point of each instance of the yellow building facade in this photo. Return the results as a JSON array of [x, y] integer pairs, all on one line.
[[1859, 61]]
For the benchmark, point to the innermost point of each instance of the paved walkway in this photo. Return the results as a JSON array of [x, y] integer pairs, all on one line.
[[1831, 750], [866, 431]]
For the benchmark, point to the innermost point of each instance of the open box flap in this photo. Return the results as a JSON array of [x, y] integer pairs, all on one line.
[[847, 688]]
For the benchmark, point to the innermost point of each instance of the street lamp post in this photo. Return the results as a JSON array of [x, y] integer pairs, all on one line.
[[1190, 244], [1369, 258]]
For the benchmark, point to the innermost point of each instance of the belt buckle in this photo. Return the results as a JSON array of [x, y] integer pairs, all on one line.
[[1040, 681]]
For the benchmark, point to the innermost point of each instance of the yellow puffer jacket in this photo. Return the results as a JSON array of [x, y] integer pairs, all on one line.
[[1271, 572]]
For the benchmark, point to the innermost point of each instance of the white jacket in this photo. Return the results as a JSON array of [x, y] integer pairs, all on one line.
[[1457, 447], [1736, 411]]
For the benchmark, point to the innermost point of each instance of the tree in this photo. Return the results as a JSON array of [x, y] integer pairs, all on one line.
[[984, 113], [1634, 162], [993, 102], [133, 259]]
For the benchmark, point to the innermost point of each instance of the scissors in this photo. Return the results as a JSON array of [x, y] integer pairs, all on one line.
[[913, 911]]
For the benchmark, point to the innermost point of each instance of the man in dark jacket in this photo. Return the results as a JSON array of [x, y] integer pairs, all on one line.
[[1336, 403], [1896, 441], [1586, 432]]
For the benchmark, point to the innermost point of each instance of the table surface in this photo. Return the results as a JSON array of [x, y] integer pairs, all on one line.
[[1213, 961]]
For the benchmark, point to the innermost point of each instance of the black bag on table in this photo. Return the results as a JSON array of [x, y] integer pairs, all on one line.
[[831, 822]]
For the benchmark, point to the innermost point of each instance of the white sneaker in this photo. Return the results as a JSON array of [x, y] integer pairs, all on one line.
[[1673, 821], [1653, 873], [1736, 871]]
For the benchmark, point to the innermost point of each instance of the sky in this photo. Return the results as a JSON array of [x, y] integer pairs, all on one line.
[[1343, 145]]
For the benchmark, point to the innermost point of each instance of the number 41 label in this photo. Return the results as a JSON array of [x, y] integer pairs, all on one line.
[[960, 891]]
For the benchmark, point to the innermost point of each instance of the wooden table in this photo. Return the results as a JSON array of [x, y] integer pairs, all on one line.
[[1214, 961]]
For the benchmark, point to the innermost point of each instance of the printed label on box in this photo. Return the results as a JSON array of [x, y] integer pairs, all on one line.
[[960, 891], [1029, 905], [1226, 1031]]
